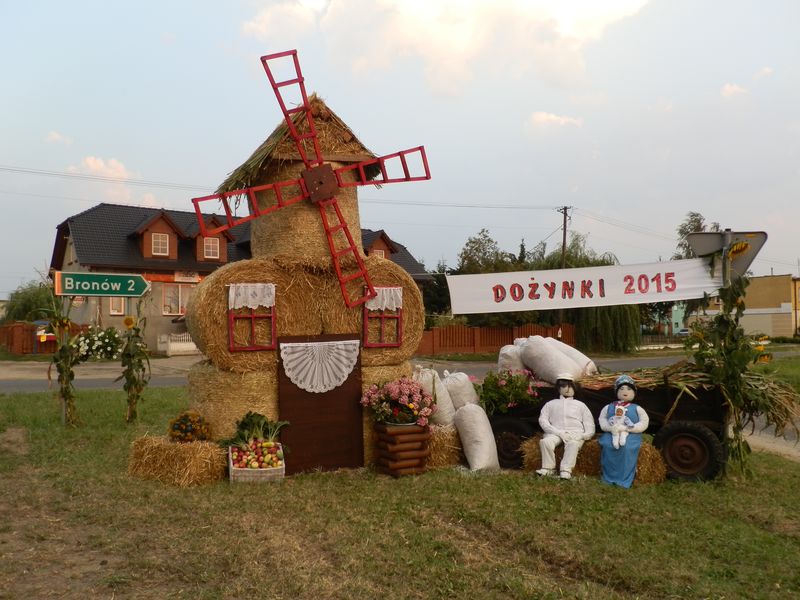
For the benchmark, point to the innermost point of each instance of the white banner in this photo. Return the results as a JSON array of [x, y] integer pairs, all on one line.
[[581, 288]]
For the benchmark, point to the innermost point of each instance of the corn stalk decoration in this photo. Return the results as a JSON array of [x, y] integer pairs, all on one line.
[[135, 362], [725, 354], [65, 357]]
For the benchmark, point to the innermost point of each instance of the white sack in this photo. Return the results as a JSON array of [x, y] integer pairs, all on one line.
[[477, 438], [460, 388], [546, 362], [429, 381], [509, 359], [584, 362], [520, 341]]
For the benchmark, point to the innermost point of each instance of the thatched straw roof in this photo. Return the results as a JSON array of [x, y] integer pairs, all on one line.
[[337, 142]]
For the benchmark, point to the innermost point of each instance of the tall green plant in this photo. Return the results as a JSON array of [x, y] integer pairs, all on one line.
[[726, 354], [135, 362], [66, 356]]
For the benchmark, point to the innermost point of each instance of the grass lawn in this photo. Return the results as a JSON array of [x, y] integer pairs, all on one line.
[[75, 525]]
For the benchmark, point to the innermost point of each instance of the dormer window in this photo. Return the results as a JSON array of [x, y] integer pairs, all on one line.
[[160, 244], [211, 248], [378, 253]]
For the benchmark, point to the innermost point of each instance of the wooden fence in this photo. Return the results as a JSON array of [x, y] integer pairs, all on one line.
[[21, 338], [474, 340]]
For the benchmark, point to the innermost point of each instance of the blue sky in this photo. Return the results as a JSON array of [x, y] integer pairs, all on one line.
[[632, 112]]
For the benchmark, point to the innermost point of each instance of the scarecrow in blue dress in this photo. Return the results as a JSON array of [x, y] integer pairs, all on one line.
[[622, 422]]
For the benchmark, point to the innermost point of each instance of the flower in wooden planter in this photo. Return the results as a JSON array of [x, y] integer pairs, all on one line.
[[402, 401]]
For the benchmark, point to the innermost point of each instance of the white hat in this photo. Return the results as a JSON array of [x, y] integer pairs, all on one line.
[[565, 376]]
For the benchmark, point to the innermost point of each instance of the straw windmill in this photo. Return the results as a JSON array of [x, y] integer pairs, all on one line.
[[298, 331]]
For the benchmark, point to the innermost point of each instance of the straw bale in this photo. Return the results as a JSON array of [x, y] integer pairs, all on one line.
[[370, 437], [383, 374], [224, 397], [181, 464], [296, 231], [298, 312], [650, 467], [588, 462], [445, 446], [337, 318]]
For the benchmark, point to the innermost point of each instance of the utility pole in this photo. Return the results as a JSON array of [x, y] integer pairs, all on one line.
[[563, 210]]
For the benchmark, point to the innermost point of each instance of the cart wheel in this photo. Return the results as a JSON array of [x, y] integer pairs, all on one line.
[[691, 451], [509, 433]]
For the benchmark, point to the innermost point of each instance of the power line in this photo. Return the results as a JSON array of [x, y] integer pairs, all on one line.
[[106, 179]]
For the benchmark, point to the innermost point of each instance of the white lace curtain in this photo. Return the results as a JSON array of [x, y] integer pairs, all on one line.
[[319, 366], [388, 298], [251, 295]]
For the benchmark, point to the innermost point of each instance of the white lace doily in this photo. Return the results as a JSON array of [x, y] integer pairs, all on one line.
[[319, 366], [251, 295], [388, 298]]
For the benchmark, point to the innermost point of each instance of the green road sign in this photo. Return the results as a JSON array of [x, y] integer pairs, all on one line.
[[99, 284]]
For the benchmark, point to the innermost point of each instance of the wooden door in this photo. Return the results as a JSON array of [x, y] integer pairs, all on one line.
[[325, 430]]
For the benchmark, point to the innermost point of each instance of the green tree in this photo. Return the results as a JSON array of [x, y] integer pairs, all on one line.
[[693, 223], [481, 254], [28, 302]]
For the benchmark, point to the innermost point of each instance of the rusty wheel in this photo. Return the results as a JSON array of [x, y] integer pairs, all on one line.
[[509, 433], [691, 451]]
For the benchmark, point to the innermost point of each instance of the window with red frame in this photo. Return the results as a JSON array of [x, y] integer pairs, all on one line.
[[383, 325], [251, 328]]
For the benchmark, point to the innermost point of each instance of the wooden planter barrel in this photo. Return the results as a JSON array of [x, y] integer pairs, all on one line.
[[402, 449]]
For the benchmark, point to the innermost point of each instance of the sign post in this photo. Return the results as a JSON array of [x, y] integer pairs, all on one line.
[[100, 284]]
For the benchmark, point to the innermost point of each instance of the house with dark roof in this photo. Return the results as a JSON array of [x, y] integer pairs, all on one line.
[[166, 247]]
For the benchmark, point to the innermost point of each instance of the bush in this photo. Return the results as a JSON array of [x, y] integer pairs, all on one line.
[[505, 389]]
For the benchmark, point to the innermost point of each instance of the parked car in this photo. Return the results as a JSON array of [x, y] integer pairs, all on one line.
[[682, 332]]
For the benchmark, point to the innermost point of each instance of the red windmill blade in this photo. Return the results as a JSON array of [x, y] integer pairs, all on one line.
[[319, 183]]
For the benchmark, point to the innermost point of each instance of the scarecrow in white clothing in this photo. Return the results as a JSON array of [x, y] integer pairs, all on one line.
[[564, 420]]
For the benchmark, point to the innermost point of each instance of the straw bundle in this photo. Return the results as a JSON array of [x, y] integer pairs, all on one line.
[[297, 310], [383, 374], [588, 462], [181, 464], [445, 447], [370, 438], [296, 231], [650, 467], [224, 397]]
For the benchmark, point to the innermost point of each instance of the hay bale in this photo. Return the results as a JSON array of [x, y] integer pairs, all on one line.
[[383, 374], [445, 447], [650, 467], [181, 464], [224, 397], [337, 318], [587, 463], [298, 312]]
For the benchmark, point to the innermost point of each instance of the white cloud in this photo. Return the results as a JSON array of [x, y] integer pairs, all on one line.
[[764, 72], [546, 119], [449, 36], [664, 105], [111, 168], [54, 137], [731, 89]]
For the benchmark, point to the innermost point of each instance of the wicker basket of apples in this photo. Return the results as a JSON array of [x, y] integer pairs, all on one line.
[[254, 453]]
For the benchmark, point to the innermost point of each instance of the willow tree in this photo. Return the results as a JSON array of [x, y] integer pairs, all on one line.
[[601, 328]]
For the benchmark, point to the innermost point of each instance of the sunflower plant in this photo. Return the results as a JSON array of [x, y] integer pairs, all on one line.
[[135, 362]]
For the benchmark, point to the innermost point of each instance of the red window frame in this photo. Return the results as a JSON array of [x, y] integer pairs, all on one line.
[[384, 318], [253, 317]]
